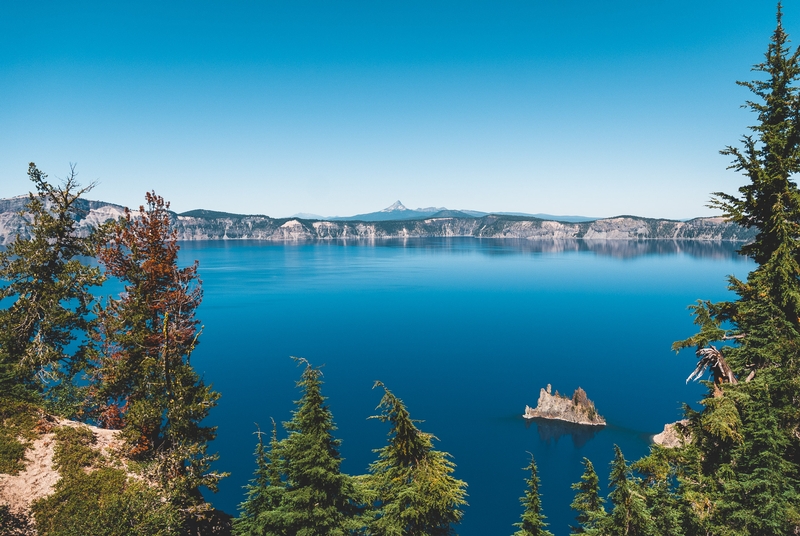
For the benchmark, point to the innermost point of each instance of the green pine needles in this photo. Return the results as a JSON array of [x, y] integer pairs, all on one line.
[[532, 523], [298, 487], [738, 472], [411, 486], [44, 332], [588, 502]]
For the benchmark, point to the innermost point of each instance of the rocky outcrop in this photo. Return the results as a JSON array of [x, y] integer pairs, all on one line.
[[210, 225], [674, 435], [578, 409], [89, 214]]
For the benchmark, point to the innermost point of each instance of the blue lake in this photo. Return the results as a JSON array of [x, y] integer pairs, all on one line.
[[466, 332]]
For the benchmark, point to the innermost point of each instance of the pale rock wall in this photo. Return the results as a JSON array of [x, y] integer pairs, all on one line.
[[235, 227]]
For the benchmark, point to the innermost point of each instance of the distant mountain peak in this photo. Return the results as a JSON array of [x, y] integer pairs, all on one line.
[[397, 206]]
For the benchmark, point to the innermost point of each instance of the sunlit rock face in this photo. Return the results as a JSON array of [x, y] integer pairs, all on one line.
[[624, 228], [89, 214], [577, 409]]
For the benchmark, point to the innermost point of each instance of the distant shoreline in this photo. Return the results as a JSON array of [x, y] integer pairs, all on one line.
[[208, 225]]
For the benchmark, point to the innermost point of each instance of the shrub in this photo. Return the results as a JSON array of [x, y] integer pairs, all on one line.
[[92, 498], [73, 450], [105, 502], [17, 422]]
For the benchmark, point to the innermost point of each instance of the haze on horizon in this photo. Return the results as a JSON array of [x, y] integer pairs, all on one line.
[[579, 108]]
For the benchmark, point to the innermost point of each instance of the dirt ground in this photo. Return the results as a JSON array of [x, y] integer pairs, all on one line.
[[38, 479]]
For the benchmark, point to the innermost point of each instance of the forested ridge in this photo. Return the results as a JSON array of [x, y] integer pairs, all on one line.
[[123, 362]]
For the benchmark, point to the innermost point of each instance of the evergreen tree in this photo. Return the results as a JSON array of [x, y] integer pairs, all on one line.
[[411, 482], [43, 330], [532, 523], [588, 502], [629, 517], [663, 472], [265, 491], [317, 499], [758, 489], [744, 440], [144, 381]]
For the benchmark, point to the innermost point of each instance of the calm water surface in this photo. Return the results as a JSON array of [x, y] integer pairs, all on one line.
[[466, 332]]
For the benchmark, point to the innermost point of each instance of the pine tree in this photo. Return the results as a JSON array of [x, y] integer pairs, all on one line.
[[43, 331], [317, 499], [411, 482], [144, 381], [588, 502], [663, 472], [265, 491], [758, 493], [629, 516], [744, 440], [532, 523]]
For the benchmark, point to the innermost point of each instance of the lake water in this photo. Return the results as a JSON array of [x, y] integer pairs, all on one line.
[[466, 332]]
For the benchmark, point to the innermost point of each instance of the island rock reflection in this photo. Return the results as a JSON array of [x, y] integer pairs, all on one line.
[[553, 430]]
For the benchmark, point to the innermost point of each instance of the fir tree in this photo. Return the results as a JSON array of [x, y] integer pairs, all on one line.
[[663, 472], [629, 516], [411, 482], [317, 499], [588, 502], [744, 440], [758, 493], [532, 523], [265, 491], [43, 330], [144, 381]]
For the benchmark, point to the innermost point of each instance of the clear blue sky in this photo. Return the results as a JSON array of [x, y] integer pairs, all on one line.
[[582, 107]]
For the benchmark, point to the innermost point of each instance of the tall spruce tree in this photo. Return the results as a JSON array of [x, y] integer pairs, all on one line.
[[744, 439], [629, 516], [264, 493], [411, 483], [317, 499], [46, 284], [144, 382], [532, 522], [588, 502], [662, 472]]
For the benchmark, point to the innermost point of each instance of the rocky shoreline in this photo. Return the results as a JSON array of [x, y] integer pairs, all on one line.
[[577, 409], [210, 225], [675, 434]]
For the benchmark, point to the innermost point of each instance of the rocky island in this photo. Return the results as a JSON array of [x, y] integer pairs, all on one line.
[[578, 409]]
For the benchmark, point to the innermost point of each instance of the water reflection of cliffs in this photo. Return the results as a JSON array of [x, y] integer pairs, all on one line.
[[550, 430], [628, 249], [621, 249]]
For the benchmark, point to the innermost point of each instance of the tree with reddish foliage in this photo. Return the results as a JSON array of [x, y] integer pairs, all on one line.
[[144, 382]]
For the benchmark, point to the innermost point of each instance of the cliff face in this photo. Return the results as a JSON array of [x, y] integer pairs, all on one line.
[[90, 214], [207, 225], [492, 226], [578, 409]]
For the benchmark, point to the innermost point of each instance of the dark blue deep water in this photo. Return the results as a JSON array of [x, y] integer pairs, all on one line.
[[466, 332]]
